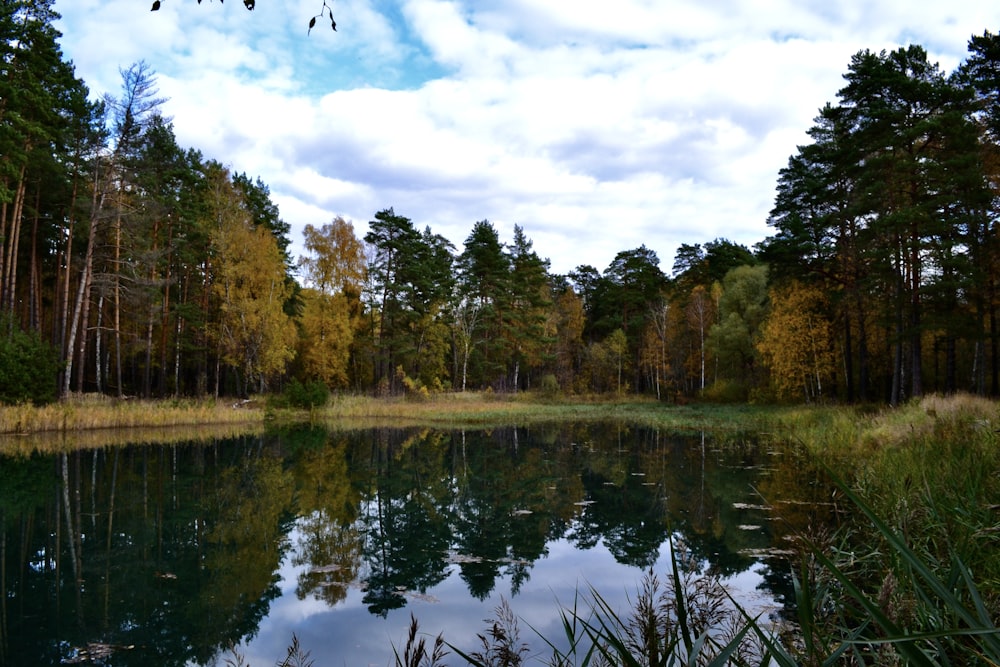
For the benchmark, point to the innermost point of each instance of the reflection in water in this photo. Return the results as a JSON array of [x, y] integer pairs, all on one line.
[[170, 554]]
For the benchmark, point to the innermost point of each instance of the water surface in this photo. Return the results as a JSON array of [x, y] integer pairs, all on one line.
[[172, 554]]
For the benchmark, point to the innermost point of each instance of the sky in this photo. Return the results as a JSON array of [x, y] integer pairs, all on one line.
[[597, 127]]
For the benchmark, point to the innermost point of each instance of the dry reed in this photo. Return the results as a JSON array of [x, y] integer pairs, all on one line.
[[81, 413]]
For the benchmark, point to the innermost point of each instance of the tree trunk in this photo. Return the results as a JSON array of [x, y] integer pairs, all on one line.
[[117, 315], [9, 274], [80, 309]]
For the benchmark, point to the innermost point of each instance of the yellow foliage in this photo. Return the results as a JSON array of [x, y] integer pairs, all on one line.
[[327, 333], [796, 342], [255, 334]]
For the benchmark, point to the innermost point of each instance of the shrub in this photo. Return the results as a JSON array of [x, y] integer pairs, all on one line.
[[549, 386], [29, 367], [726, 391], [310, 395]]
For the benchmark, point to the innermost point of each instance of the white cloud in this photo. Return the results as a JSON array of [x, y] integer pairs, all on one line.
[[596, 127]]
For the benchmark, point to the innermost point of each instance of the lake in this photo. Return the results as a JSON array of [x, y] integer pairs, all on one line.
[[177, 554]]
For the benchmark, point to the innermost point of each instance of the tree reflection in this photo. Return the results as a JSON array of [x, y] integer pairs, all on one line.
[[158, 547], [330, 542], [500, 518], [628, 515], [407, 534], [177, 549]]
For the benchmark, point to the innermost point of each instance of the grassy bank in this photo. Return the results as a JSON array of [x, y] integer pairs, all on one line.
[[929, 471], [935, 450], [93, 412], [485, 409]]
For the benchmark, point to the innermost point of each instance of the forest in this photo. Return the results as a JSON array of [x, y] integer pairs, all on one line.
[[135, 267]]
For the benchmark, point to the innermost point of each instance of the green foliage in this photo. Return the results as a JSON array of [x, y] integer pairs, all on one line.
[[726, 391], [28, 366], [887, 211], [931, 613], [310, 395], [549, 385]]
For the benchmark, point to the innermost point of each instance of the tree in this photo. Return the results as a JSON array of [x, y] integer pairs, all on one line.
[[530, 301], [980, 74], [336, 259], [885, 208], [28, 366], [742, 309], [796, 342], [632, 285], [700, 314], [618, 353], [464, 318], [483, 274], [411, 283], [162, 223], [653, 353], [919, 185], [324, 347], [569, 320], [130, 115], [255, 335], [697, 265], [586, 281], [335, 271]]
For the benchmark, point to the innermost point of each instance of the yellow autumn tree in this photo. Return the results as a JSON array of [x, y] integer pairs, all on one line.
[[336, 259], [796, 342], [255, 335], [326, 335], [334, 272]]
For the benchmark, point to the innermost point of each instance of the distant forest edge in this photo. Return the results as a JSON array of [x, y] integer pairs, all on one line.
[[132, 266]]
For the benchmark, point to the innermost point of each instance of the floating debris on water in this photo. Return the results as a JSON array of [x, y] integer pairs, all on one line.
[[768, 553], [747, 506], [513, 561], [332, 567], [423, 597], [94, 652], [458, 558], [804, 502], [748, 526]]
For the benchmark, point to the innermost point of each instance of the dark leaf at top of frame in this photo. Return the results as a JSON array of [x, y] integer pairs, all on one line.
[[156, 6], [250, 4]]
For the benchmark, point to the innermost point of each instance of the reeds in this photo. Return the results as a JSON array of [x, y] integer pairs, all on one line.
[[80, 413], [50, 442]]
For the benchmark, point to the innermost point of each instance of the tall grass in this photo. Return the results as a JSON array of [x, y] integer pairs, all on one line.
[[49, 442], [486, 408], [79, 413], [925, 565]]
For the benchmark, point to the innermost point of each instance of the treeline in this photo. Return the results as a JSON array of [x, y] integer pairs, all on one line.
[[141, 268]]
